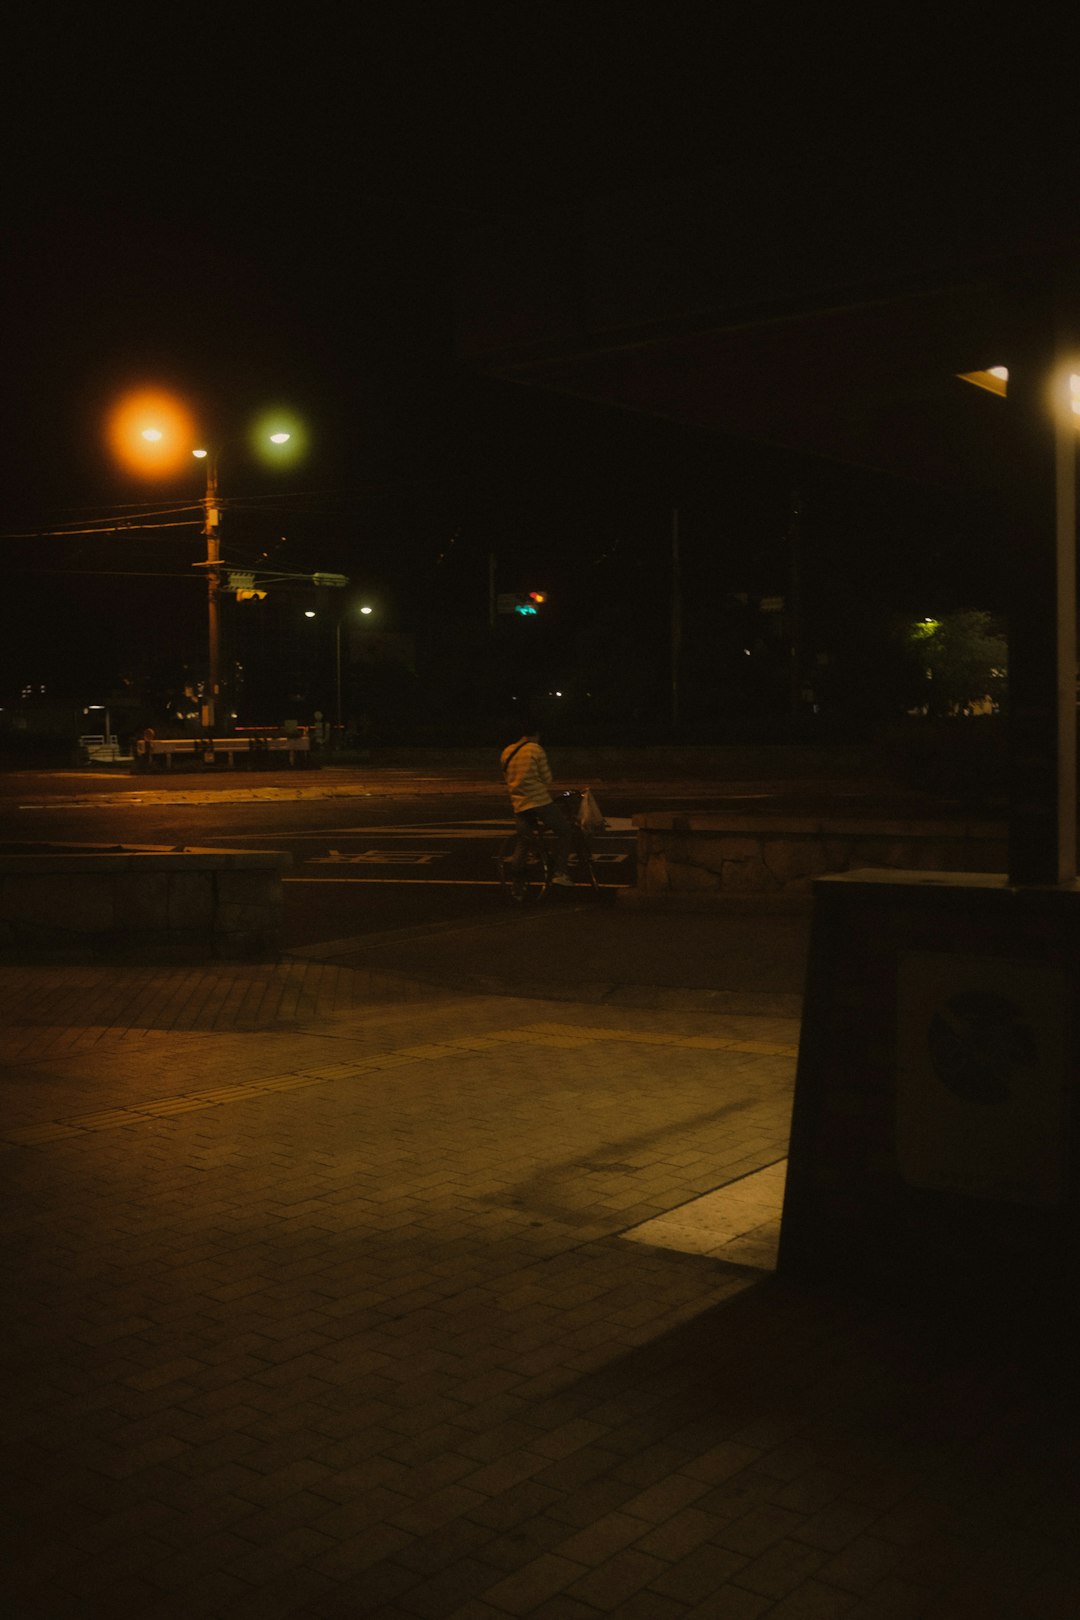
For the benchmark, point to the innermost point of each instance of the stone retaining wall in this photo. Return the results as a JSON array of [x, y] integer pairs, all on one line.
[[71, 902], [718, 856]]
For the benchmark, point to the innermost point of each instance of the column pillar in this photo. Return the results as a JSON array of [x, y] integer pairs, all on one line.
[[1042, 612]]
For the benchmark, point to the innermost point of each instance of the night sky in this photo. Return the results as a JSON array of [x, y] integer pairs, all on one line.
[[251, 206]]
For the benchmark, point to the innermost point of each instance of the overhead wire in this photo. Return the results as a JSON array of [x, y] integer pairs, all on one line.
[[111, 528], [99, 512], [88, 508], [98, 573], [163, 519]]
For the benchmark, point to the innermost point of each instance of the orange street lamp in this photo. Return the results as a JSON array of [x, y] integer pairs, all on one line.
[[150, 432]]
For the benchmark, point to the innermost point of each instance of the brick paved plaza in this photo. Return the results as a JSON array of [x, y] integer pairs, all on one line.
[[332, 1294]]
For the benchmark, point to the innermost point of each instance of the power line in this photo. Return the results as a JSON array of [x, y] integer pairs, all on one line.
[[121, 515], [97, 573], [329, 497], [122, 527], [90, 508], [268, 576]]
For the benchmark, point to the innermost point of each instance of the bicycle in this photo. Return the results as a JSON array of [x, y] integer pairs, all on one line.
[[535, 877]]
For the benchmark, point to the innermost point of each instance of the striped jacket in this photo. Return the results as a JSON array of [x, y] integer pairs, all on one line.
[[528, 775]]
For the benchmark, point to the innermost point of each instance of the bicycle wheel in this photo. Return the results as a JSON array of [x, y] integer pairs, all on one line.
[[534, 877], [581, 861]]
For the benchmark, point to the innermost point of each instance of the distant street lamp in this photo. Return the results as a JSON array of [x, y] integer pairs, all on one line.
[[311, 613], [365, 609]]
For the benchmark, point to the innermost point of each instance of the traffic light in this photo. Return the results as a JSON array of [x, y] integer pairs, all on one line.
[[530, 604], [243, 583]]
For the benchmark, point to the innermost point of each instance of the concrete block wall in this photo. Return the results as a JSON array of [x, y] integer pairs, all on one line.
[[933, 1151], [76, 902], [721, 855]]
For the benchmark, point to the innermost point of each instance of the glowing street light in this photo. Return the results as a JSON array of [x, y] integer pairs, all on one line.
[[995, 380], [149, 433]]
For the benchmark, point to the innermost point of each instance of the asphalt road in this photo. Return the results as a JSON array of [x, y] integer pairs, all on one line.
[[377, 848], [371, 849]]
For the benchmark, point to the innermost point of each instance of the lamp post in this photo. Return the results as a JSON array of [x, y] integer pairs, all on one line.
[[211, 532], [337, 580], [212, 535], [365, 609]]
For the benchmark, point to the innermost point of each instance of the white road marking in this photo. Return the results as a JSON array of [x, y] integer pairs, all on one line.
[[461, 883]]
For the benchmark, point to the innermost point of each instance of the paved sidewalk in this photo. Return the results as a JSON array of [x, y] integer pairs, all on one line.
[[335, 1291]]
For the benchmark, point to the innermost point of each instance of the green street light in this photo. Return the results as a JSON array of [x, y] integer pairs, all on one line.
[[277, 436]]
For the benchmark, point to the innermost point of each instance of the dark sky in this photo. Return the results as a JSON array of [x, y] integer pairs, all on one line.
[[250, 205]]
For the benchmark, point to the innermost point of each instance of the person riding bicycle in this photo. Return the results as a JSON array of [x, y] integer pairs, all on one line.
[[528, 780]]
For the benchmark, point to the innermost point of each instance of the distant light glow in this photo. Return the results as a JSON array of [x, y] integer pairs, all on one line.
[[367, 610], [276, 437], [150, 432], [994, 380]]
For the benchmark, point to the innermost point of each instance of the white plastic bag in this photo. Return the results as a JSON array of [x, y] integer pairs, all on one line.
[[590, 817]]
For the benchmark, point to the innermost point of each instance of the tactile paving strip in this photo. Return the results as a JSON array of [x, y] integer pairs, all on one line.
[[551, 1035]]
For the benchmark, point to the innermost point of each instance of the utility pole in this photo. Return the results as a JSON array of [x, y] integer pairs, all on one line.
[[794, 605], [211, 519], [336, 582], [676, 618]]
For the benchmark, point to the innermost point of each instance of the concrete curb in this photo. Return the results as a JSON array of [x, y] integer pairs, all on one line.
[[362, 954]]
